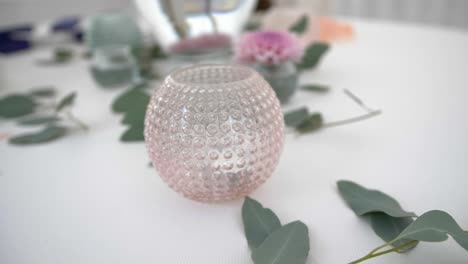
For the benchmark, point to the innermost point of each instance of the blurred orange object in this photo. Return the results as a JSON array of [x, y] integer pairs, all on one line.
[[4, 136], [331, 30], [326, 29]]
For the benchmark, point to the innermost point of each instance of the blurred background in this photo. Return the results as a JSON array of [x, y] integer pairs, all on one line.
[[452, 13]]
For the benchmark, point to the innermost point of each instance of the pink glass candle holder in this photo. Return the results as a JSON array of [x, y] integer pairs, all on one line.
[[214, 132]]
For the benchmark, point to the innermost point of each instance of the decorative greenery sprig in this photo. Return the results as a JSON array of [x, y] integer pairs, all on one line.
[[312, 55], [304, 122], [395, 225], [321, 88], [387, 217], [252, 26], [132, 104], [314, 51], [271, 242], [60, 55], [300, 26], [32, 110]]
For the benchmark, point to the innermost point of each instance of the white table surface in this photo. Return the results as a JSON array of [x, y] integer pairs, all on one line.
[[90, 199]]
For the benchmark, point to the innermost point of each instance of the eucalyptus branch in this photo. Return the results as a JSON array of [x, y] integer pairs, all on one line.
[[75, 120], [373, 253], [370, 112], [353, 120], [357, 100]]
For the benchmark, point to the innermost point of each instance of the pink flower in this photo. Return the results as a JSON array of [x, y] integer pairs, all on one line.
[[268, 47]]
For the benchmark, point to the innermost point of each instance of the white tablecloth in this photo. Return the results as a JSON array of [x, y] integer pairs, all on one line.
[[90, 199]]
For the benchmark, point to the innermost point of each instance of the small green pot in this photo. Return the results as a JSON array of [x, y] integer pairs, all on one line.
[[283, 79]]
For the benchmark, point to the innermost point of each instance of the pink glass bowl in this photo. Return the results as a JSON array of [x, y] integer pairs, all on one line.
[[214, 132]]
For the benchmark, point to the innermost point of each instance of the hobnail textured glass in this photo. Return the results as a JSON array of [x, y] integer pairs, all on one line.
[[214, 132]]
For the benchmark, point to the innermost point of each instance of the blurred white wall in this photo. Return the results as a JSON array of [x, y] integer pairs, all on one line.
[[19, 11], [452, 13], [438, 12], [310, 6]]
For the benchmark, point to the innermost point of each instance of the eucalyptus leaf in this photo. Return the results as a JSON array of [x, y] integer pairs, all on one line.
[[66, 101], [312, 123], [316, 88], [312, 55], [157, 52], [287, 245], [389, 227], [434, 226], [16, 105], [300, 26], [296, 117], [48, 134], [130, 99], [363, 201], [48, 91], [252, 26], [62, 55], [39, 120], [259, 222], [133, 134], [134, 117]]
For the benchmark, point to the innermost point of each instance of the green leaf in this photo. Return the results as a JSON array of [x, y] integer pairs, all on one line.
[[130, 99], [434, 226], [252, 26], [16, 105], [389, 227], [300, 26], [296, 117], [62, 55], [316, 88], [363, 201], [48, 134], [66, 101], [156, 52], [312, 123], [38, 120], [259, 222], [133, 104], [47, 91], [133, 134], [134, 117], [287, 245], [312, 55]]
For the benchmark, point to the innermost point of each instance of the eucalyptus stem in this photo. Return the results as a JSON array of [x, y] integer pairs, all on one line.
[[380, 247], [370, 112], [372, 255], [357, 100], [354, 119], [77, 121]]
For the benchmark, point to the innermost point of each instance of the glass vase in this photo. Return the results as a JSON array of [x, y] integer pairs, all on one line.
[[214, 132], [283, 78], [113, 66]]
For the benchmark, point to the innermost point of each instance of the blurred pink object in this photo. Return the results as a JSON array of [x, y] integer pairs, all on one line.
[[268, 47], [214, 132], [203, 42], [324, 29]]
